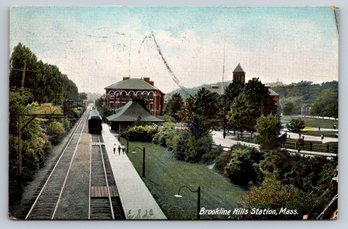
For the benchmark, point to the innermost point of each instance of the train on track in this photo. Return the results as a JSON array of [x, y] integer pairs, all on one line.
[[94, 122]]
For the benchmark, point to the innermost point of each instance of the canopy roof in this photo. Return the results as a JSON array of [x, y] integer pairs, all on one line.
[[131, 113]]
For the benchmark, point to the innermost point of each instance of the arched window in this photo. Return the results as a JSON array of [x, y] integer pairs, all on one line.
[[111, 95], [151, 95]]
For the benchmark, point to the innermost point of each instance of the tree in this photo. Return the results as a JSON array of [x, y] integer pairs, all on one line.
[[82, 96], [296, 126], [231, 92], [269, 130], [23, 66], [272, 194], [242, 115], [326, 104], [253, 102], [288, 108], [174, 106], [205, 113], [242, 165]]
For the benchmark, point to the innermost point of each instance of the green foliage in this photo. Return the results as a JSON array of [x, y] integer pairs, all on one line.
[[253, 102], [269, 130], [174, 106], [82, 96], [196, 148], [28, 72], [212, 155], [203, 112], [165, 134], [34, 87], [326, 104], [288, 108], [243, 115], [187, 147], [296, 126], [240, 164], [180, 148], [104, 111], [143, 133], [55, 130], [321, 96], [272, 194], [231, 92], [310, 175]]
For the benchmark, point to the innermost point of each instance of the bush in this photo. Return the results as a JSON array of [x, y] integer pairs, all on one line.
[[240, 164], [55, 130], [211, 156], [165, 134], [196, 148], [274, 195], [140, 133], [180, 147]]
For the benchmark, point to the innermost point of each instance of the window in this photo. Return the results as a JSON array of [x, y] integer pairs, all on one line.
[[151, 95]]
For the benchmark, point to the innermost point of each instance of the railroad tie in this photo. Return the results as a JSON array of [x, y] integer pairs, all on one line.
[[102, 191]]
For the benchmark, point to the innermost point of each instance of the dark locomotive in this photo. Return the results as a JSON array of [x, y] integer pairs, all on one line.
[[94, 122]]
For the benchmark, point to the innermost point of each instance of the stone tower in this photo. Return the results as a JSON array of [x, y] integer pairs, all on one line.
[[239, 75]]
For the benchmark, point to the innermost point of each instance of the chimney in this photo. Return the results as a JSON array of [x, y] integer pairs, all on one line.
[[125, 78], [151, 82], [147, 79]]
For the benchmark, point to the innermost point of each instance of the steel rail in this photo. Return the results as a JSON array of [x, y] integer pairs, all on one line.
[[59, 159], [67, 174], [106, 179]]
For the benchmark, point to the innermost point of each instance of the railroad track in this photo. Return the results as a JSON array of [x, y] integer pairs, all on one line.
[[46, 202], [104, 202]]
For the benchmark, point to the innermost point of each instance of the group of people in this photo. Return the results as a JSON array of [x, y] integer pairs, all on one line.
[[119, 148]]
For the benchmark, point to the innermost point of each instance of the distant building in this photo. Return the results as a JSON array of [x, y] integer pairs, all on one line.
[[306, 109], [129, 114], [120, 93], [274, 95], [239, 74]]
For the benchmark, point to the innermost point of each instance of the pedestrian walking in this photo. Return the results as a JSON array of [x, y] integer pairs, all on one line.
[[322, 137], [119, 149], [123, 149], [114, 149]]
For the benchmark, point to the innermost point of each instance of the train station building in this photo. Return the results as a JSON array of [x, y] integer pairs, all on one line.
[[120, 93], [129, 114]]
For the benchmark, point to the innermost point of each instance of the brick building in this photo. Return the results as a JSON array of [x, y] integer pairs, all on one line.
[[120, 93]]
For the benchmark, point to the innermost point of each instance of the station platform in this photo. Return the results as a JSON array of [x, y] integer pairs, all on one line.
[[136, 199]]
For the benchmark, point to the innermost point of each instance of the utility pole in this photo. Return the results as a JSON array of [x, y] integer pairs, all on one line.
[[23, 73]]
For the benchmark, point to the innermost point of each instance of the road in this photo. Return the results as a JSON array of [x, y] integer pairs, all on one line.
[[228, 142]]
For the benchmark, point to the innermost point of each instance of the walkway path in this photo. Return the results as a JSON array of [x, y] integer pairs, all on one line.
[[136, 199], [228, 142]]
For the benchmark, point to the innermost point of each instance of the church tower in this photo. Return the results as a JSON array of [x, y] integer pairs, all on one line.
[[239, 74]]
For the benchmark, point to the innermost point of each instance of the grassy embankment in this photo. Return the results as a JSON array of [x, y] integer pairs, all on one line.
[[165, 175]]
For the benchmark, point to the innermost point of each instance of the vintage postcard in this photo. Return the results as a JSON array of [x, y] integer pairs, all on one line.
[[173, 113]]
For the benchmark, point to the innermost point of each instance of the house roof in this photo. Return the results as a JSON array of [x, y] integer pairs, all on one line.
[[131, 112], [135, 84], [238, 69], [272, 93]]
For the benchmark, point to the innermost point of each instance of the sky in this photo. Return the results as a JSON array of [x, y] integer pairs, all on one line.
[[98, 46]]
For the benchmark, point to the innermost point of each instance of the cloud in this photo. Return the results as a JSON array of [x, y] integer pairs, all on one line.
[[95, 55]]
